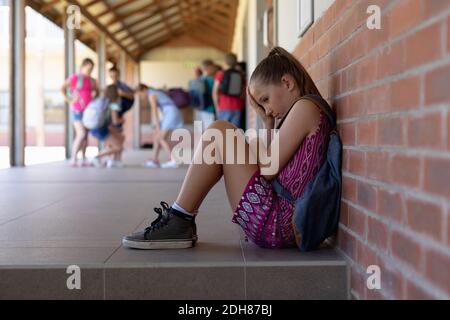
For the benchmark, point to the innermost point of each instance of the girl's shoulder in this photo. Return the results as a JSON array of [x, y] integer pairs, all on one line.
[[304, 113]]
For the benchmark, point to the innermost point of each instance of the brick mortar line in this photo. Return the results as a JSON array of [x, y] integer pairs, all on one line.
[[413, 193], [425, 241], [406, 271], [417, 111], [406, 151]]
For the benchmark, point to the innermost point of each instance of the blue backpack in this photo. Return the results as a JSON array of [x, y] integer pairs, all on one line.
[[316, 211]]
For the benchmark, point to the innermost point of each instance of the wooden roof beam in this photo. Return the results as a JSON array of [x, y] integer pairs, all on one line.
[[101, 27]]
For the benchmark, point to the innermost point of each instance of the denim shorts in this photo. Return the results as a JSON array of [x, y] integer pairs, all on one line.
[[101, 134], [77, 115], [232, 116]]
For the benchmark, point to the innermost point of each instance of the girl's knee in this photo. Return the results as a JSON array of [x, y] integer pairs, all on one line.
[[222, 125]]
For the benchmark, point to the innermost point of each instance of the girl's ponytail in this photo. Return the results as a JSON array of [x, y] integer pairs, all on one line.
[[278, 63]]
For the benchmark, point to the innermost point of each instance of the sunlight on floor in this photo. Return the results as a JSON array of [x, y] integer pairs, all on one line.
[[41, 155]]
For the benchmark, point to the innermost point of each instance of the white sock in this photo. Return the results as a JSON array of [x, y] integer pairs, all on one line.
[[179, 208]]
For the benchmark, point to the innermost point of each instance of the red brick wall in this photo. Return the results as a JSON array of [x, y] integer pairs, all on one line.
[[391, 90]]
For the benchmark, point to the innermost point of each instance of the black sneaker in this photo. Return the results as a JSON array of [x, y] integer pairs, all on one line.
[[171, 230]]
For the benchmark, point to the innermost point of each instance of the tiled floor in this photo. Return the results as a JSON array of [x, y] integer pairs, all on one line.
[[52, 216]]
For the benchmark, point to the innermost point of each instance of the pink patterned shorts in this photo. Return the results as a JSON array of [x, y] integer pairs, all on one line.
[[265, 218]]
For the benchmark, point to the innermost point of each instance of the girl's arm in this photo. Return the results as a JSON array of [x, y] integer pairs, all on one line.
[[300, 122], [154, 110], [67, 84], [96, 90], [215, 95]]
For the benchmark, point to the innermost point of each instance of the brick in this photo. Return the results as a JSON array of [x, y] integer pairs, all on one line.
[[436, 85], [426, 218], [348, 134], [390, 131], [343, 218], [345, 160], [347, 243], [404, 16], [355, 104], [414, 292], [349, 189], [366, 71], [377, 99], [391, 60], [357, 221], [448, 130], [377, 165], [357, 163], [358, 283], [367, 196], [392, 280], [406, 249], [377, 233], [365, 255], [437, 269], [425, 131], [405, 93], [422, 46], [390, 205], [437, 176], [405, 170], [448, 35], [432, 7]]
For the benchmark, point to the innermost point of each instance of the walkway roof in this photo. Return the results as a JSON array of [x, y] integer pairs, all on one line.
[[137, 26]]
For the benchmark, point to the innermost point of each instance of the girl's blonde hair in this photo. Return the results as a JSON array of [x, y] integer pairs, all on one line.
[[278, 63]]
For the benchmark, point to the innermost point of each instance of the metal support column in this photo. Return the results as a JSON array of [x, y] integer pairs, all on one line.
[[17, 84], [137, 109], [101, 54], [69, 69]]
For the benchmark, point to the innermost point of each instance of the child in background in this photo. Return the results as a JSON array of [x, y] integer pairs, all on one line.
[[109, 134], [79, 90]]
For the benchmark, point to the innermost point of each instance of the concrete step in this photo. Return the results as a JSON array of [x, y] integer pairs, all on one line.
[[177, 275]]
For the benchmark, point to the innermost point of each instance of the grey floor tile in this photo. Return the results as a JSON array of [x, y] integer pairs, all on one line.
[[53, 256], [212, 253]]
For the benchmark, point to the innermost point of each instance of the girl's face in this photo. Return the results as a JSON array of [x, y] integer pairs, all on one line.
[[87, 69], [275, 99]]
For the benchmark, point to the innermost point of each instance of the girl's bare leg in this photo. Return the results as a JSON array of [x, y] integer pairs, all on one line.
[[164, 142], [156, 147], [114, 147], [202, 177], [80, 136]]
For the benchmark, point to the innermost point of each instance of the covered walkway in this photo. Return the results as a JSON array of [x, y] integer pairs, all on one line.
[[53, 217]]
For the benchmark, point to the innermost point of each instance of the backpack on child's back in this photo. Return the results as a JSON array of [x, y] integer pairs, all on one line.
[[232, 83], [200, 96], [316, 211], [97, 113]]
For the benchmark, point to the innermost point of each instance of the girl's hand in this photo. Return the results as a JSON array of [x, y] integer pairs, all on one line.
[[267, 120]]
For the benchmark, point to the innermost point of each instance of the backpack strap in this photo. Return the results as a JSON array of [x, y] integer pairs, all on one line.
[[80, 81], [279, 189], [325, 107]]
